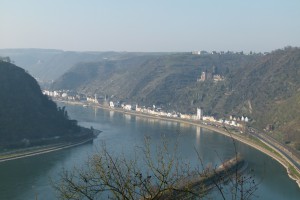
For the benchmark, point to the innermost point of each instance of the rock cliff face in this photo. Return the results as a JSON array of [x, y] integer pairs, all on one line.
[[26, 115]]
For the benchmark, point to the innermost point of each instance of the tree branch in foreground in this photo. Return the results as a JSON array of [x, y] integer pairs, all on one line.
[[157, 175]]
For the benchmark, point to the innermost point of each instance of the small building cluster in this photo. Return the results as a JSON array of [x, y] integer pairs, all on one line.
[[92, 99], [239, 119], [202, 52], [63, 94], [70, 96], [211, 119]]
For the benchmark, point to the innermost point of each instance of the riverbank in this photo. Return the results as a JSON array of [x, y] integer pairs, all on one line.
[[292, 170], [23, 153]]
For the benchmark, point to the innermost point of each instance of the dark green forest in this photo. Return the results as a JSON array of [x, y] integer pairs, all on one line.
[[28, 117]]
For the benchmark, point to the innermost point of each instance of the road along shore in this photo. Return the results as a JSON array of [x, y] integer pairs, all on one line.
[[42, 150]]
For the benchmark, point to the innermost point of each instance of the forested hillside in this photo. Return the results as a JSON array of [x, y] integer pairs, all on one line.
[[263, 87], [269, 91], [26, 115], [164, 80]]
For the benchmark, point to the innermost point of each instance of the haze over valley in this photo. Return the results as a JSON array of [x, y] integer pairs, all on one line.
[[263, 87], [149, 100]]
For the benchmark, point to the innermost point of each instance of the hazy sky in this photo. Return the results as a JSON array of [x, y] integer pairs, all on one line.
[[152, 25]]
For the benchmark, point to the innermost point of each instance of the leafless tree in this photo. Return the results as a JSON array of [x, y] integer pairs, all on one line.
[[151, 175]]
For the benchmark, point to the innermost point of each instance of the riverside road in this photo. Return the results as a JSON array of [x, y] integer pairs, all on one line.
[[289, 153]]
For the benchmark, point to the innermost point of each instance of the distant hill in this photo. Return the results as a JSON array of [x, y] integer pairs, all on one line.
[[163, 80], [49, 64], [263, 87], [27, 117]]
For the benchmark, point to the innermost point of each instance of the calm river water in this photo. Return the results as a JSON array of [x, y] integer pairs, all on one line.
[[29, 178]]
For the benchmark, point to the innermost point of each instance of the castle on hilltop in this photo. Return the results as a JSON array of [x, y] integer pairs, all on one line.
[[205, 76]]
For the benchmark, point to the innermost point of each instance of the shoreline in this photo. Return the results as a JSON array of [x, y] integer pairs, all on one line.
[[283, 160], [44, 150]]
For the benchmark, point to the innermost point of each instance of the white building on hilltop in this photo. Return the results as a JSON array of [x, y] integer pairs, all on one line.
[[196, 52]]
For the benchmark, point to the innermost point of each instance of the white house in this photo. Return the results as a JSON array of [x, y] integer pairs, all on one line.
[[196, 52], [111, 104], [184, 116], [56, 94], [233, 123], [209, 118], [127, 107]]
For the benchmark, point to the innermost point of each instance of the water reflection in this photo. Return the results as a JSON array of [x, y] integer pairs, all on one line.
[[127, 118], [111, 114], [198, 134], [95, 112], [31, 176]]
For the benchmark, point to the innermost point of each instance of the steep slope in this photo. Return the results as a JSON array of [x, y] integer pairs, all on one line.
[[26, 115], [153, 79], [263, 87], [272, 87]]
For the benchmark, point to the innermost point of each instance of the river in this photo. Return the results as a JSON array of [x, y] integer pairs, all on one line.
[[30, 177]]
